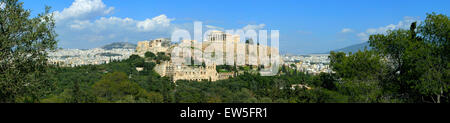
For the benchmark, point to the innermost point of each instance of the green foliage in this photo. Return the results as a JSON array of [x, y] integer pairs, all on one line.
[[224, 68], [117, 81], [417, 60], [115, 86], [327, 81], [363, 65], [404, 65], [150, 55], [114, 83], [361, 91], [150, 97], [162, 56]]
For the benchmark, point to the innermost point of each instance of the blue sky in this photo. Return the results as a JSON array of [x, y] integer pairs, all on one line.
[[313, 26]]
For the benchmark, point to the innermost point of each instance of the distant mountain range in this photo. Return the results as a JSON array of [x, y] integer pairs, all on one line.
[[354, 48], [119, 45]]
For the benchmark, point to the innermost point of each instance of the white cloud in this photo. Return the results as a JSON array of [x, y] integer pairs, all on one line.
[[404, 24], [116, 26], [154, 23], [79, 25], [346, 30], [254, 27], [84, 25], [214, 27], [84, 9]]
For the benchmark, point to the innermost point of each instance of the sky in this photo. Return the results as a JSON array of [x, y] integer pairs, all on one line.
[[305, 26]]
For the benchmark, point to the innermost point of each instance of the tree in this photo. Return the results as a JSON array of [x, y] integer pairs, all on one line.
[[418, 59], [134, 57], [24, 42], [326, 80], [150, 97], [150, 55], [244, 96], [161, 56], [80, 94], [116, 86], [363, 65], [435, 32]]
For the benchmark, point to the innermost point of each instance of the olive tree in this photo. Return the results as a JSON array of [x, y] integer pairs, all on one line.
[[24, 43]]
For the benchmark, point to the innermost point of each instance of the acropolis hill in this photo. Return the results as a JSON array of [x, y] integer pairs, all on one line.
[[216, 40]]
